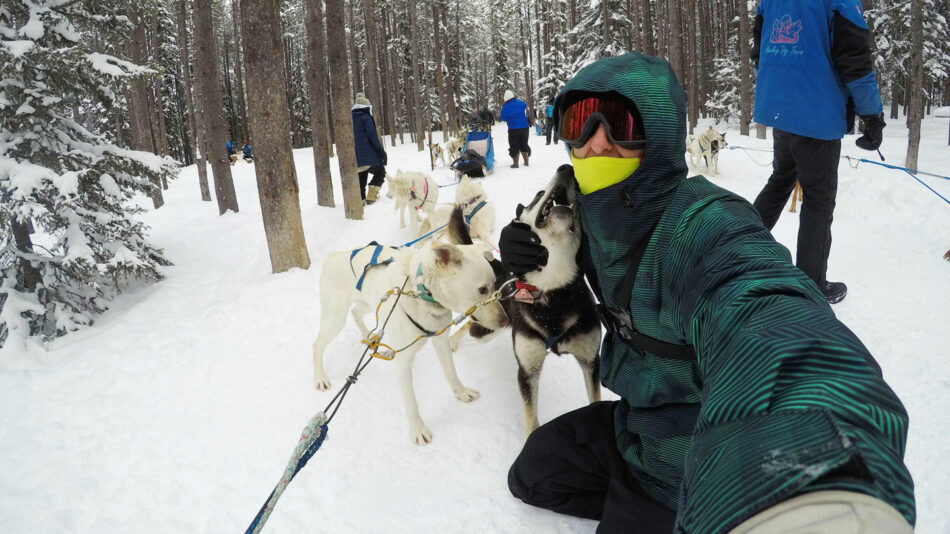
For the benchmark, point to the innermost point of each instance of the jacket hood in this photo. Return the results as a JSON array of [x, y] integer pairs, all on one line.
[[361, 107], [615, 218], [651, 85]]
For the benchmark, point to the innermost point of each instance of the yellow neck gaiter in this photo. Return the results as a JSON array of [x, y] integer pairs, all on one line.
[[595, 173]]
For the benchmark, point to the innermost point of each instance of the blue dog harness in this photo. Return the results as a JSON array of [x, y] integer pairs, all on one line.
[[421, 290], [468, 218], [373, 261]]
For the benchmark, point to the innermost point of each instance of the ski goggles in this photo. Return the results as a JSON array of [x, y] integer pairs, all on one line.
[[619, 116]]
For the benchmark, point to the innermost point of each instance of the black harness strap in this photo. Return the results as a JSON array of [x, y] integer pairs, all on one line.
[[417, 325], [618, 320]]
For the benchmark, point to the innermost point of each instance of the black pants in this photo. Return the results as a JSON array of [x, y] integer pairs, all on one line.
[[518, 141], [814, 164], [549, 131], [571, 465], [379, 174]]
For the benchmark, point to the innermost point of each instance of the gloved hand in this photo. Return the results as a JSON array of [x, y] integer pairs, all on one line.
[[384, 157], [873, 132], [521, 249]]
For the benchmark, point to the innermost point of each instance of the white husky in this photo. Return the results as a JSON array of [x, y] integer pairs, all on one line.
[[479, 212], [412, 191], [705, 147], [447, 278], [454, 147]]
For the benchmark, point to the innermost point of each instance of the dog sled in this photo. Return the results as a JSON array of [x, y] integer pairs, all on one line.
[[478, 154]]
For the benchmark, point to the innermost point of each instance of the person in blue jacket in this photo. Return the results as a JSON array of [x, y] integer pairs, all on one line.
[[229, 146], [248, 155], [515, 113], [370, 155], [549, 121], [815, 71]]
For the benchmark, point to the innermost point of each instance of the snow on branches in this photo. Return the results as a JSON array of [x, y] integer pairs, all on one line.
[[69, 241]]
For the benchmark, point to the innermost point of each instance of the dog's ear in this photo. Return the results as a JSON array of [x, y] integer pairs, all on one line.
[[458, 232], [519, 210], [487, 252], [447, 256]]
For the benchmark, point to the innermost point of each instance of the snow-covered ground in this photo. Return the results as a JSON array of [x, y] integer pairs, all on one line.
[[178, 409]]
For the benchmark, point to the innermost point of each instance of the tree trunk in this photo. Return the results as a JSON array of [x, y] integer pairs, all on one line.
[[239, 71], [386, 88], [450, 94], [413, 87], [208, 82], [197, 150], [745, 74], [369, 46], [692, 65], [161, 127], [354, 53], [676, 38], [760, 131], [915, 82], [437, 39], [270, 113], [646, 28], [21, 238], [141, 125], [345, 153], [318, 103]]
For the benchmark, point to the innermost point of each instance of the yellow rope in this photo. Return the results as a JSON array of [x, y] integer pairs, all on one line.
[[374, 342]]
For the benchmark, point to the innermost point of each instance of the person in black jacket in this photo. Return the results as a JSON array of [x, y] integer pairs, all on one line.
[[815, 71], [370, 155]]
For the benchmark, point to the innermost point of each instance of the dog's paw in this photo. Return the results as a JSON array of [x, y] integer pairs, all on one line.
[[467, 394], [421, 435], [322, 384]]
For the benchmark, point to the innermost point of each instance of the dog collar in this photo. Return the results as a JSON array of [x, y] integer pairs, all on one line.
[[421, 290], [526, 293], [471, 201], [425, 188]]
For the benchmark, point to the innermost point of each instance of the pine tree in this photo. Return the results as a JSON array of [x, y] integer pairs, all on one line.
[[69, 238]]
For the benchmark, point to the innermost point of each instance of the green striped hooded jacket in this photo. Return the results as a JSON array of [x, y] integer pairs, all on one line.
[[783, 399]]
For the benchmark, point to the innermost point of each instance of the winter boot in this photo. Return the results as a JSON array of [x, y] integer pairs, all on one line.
[[834, 291], [515, 164], [525, 156], [372, 194]]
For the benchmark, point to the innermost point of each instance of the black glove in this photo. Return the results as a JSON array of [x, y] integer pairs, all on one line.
[[521, 249], [873, 132], [384, 158]]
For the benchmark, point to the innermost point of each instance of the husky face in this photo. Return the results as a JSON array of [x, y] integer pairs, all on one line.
[[468, 192], [459, 276], [552, 216]]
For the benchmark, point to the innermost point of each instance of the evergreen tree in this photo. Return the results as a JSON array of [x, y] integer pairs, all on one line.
[[69, 239], [555, 63], [592, 40]]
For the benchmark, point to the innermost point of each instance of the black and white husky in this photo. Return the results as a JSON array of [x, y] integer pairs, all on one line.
[[553, 309]]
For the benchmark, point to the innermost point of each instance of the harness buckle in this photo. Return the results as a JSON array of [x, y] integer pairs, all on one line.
[[617, 321]]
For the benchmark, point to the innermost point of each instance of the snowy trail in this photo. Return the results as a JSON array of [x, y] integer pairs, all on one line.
[[178, 410]]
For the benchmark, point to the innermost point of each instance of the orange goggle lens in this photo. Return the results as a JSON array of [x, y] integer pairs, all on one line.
[[579, 121]]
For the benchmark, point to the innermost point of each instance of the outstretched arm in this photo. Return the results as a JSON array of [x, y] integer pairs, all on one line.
[[792, 402], [851, 54]]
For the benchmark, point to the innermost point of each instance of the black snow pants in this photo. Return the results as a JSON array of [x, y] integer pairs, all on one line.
[[518, 141], [571, 465], [814, 164], [379, 174], [549, 131]]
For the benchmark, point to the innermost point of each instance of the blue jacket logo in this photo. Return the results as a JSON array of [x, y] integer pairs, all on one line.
[[784, 30]]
